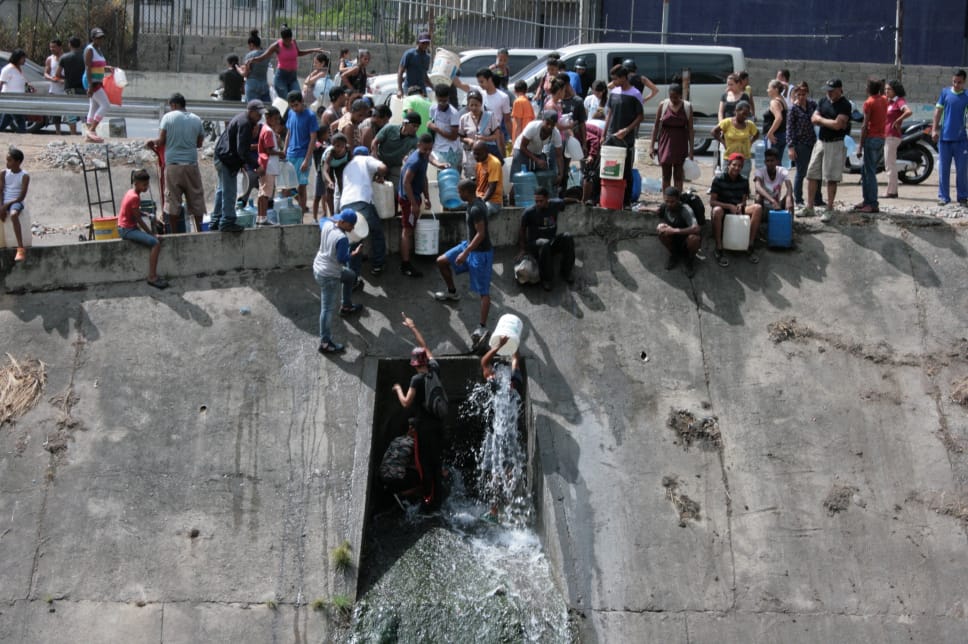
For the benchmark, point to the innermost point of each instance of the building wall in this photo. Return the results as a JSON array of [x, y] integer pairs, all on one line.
[[934, 30]]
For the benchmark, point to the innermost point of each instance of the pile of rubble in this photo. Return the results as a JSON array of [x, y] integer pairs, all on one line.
[[58, 154]]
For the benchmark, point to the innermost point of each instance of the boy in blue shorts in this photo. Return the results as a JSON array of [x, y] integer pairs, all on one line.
[[302, 126], [132, 227], [474, 256]]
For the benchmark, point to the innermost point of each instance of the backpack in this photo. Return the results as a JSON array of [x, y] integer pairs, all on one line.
[[435, 398], [695, 203]]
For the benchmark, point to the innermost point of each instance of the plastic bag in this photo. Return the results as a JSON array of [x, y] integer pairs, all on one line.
[[120, 78], [526, 271], [690, 170]]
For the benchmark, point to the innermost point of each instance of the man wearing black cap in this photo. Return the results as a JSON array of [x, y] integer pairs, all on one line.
[[232, 152], [180, 134], [414, 66], [827, 159]]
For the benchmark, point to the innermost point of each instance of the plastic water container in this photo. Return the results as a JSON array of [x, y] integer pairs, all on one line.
[[691, 170], [207, 223], [613, 194], [383, 200], [511, 326], [851, 145], [445, 66], [779, 232], [396, 110], [244, 218], [759, 152], [8, 236], [287, 176], [546, 179], [736, 232], [288, 215], [524, 184], [435, 205], [574, 176], [612, 162], [447, 181], [360, 231], [506, 170], [637, 185], [426, 236]]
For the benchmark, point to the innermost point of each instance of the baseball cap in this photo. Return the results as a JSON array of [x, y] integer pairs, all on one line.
[[418, 357], [97, 32], [255, 105], [361, 150], [424, 37], [736, 156], [413, 117], [346, 214], [834, 83]]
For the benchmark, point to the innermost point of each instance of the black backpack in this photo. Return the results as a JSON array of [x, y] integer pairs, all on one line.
[[435, 398], [695, 203]]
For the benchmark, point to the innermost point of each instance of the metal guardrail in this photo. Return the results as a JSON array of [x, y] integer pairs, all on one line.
[[141, 108]]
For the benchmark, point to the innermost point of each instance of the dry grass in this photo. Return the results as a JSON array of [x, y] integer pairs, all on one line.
[[21, 384]]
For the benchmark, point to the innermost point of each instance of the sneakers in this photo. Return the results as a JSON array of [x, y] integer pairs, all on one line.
[[442, 296], [21, 255], [478, 335], [827, 215], [943, 202], [867, 208], [331, 347], [409, 271], [807, 211], [352, 309], [376, 270]]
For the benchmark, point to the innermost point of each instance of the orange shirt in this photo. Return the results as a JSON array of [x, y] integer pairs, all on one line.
[[490, 171], [875, 107], [523, 111]]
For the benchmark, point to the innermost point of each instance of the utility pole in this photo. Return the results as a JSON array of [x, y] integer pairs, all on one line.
[[665, 21], [898, 38]]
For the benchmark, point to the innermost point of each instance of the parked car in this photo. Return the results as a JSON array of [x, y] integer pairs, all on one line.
[[385, 85], [34, 74]]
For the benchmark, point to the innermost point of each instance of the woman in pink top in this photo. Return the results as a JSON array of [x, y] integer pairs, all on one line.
[[287, 53], [897, 111]]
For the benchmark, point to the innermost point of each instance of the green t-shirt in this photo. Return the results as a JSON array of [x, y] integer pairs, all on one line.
[[421, 106], [394, 148]]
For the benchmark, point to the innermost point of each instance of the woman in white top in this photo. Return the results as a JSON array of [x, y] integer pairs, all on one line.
[[12, 81], [478, 124]]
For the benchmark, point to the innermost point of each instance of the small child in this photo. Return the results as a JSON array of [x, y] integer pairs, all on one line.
[[335, 158], [522, 112], [133, 228], [233, 83], [13, 186], [270, 151]]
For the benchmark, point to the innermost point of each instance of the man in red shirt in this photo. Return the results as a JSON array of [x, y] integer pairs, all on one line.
[[133, 228], [872, 144]]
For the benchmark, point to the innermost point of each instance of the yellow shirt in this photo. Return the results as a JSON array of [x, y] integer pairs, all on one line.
[[490, 171], [738, 140]]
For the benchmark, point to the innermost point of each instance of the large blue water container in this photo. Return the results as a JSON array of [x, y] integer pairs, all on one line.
[[759, 153], [779, 232], [524, 184], [547, 179], [636, 185], [447, 181]]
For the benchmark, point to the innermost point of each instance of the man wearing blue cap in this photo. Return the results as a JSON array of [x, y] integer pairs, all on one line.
[[331, 269], [358, 177]]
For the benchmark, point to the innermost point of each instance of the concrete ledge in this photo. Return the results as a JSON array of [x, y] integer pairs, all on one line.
[[276, 247]]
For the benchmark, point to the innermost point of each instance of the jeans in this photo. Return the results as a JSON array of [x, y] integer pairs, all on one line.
[[803, 151], [378, 242], [224, 209], [545, 249], [286, 81], [331, 289], [957, 150], [257, 89], [873, 153], [15, 121]]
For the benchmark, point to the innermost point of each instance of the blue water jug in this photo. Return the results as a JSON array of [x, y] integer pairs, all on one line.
[[547, 179], [524, 184], [759, 152], [447, 181], [779, 230], [636, 185]]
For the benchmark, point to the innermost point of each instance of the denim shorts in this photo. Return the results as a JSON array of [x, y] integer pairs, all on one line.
[[302, 177], [137, 236], [478, 265]]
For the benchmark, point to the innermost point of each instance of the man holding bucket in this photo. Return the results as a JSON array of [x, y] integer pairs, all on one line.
[[414, 66], [413, 186], [474, 257]]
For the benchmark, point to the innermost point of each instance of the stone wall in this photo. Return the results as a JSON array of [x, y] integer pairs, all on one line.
[[921, 82]]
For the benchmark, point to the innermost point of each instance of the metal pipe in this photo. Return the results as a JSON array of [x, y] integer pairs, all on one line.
[[53, 105], [665, 22]]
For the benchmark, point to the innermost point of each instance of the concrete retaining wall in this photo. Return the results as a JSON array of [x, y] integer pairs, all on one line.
[[274, 247]]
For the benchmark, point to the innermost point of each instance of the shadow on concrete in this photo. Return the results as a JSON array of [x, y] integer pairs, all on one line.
[[895, 251], [936, 232]]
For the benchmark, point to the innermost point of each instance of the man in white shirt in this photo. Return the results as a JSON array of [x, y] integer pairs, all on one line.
[[358, 177], [444, 123], [537, 136]]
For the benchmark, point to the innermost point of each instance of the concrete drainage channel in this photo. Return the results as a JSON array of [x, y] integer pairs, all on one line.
[[449, 575]]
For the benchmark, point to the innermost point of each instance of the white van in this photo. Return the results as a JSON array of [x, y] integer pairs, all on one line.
[[663, 64]]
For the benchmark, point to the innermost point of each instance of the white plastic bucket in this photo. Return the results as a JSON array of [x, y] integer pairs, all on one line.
[[8, 236], [506, 170], [426, 236], [736, 232], [360, 230], [573, 149], [446, 64], [612, 162], [511, 326], [383, 200]]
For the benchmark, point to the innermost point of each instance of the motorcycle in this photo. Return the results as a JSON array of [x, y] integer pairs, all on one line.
[[915, 153]]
